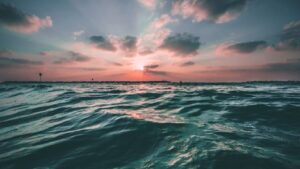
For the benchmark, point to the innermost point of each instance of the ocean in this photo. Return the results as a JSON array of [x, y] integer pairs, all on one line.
[[254, 125]]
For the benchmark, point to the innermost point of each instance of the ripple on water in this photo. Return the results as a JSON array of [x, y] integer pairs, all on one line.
[[82, 125]]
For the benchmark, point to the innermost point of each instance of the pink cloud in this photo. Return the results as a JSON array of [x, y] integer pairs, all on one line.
[[187, 8], [150, 4], [162, 21], [221, 50], [155, 34], [153, 39]]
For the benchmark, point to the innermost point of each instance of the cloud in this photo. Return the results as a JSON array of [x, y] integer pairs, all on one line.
[[124, 46], [116, 63], [145, 51], [292, 66], [154, 66], [209, 10], [157, 72], [13, 62], [154, 35], [151, 69], [182, 44], [247, 47], [289, 38], [15, 20], [189, 63], [9, 59], [77, 34], [92, 69], [4, 53], [128, 45], [289, 41], [161, 21], [103, 43], [152, 39], [71, 57], [288, 70], [150, 4]]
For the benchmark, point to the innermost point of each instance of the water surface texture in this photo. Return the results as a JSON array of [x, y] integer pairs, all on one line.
[[106, 125]]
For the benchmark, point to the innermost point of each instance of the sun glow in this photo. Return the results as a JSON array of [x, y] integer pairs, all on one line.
[[139, 64], [140, 67]]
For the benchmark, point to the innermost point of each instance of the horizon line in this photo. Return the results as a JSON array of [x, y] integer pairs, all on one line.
[[157, 81]]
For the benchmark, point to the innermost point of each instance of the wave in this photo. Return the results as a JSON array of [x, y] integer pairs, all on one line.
[[136, 125]]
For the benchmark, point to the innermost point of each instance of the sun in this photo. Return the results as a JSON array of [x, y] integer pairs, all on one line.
[[139, 64], [140, 67]]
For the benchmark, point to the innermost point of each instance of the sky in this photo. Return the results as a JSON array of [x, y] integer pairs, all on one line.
[[143, 40]]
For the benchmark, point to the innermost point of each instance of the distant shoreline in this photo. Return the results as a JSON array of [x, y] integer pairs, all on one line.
[[144, 82]]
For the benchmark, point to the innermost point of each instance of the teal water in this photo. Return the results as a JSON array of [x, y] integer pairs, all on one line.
[[105, 125]]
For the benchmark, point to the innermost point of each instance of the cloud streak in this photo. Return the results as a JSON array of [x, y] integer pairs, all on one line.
[[9, 59], [154, 66], [157, 72], [72, 57], [247, 47], [188, 63], [5, 53], [241, 48]]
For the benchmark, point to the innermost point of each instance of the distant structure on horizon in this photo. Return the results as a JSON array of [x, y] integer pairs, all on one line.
[[40, 75]]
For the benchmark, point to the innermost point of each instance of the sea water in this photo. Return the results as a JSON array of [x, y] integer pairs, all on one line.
[[143, 125]]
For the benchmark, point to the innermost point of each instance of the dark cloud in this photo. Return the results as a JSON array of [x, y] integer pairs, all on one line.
[[149, 69], [212, 10], [248, 47], [72, 57], [129, 43], [289, 38], [182, 44], [43, 53], [103, 43], [189, 63], [116, 64], [157, 72], [154, 66], [18, 21], [13, 62], [12, 16], [128, 46], [79, 57], [92, 69]]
